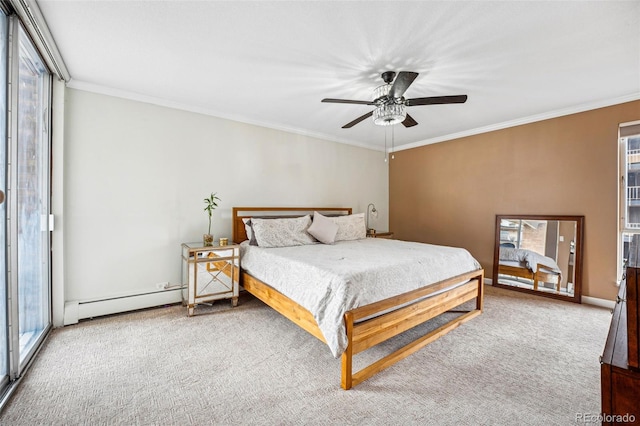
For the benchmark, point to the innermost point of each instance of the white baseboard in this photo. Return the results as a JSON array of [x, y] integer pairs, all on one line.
[[587, 300], [603, 303], [77, 310], [70, 313]]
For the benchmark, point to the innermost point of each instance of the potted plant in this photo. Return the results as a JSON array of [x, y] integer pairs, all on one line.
[[211, 203]]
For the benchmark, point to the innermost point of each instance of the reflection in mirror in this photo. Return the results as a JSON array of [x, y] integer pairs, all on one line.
[[539, 254]]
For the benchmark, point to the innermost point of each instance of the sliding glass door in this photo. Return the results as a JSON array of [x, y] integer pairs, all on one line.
[[30, 210], [4, 342], [25, 306]]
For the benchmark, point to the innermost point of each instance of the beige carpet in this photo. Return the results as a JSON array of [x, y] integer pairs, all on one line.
[[525, 361]]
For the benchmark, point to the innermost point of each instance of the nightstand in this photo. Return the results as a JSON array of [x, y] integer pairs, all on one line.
[[381, 235], [209, 273]]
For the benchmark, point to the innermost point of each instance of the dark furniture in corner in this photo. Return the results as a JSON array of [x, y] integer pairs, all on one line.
[[620, 361]]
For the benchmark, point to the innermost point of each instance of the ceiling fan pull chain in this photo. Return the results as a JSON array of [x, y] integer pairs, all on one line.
[[385, 144], [393, 138]]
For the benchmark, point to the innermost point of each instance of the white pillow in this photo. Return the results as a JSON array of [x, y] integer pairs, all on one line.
[[350, 227], [323, 228], [282, 232]]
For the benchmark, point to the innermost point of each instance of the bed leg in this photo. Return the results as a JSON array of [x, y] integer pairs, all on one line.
[[347, 355], [480, 298]]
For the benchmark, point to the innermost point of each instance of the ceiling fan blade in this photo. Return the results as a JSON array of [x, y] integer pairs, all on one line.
[[433, 100], [402, 83], [357, 120], [347, 101], [409, 121]]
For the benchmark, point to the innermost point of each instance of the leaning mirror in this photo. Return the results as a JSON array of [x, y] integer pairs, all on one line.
[[539, 254]]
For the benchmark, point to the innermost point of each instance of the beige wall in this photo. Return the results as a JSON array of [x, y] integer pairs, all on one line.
[[449, 193], [135, 175]]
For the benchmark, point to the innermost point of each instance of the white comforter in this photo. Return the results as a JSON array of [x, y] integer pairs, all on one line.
[[329, 280], [530, 258]]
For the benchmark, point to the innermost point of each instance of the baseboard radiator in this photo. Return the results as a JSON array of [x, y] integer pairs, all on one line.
[[77, 310]]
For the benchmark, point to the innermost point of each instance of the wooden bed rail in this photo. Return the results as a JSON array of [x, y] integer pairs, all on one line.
[[366, 334]]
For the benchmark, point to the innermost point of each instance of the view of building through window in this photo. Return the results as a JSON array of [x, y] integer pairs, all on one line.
[[630, 191], [524, 234]]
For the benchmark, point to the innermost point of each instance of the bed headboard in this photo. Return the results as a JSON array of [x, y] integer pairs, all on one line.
[[239, 213]]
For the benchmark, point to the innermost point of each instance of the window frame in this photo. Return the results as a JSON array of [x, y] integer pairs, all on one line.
[[624, 227]]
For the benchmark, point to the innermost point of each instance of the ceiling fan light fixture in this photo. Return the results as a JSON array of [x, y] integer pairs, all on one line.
[[390, 103], [381, 92], [388, 115]]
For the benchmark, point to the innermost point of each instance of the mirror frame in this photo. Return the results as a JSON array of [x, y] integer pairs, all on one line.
[[577, 293]]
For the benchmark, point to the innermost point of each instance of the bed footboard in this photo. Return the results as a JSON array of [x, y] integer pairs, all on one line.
[[407, 310], [425, 303]]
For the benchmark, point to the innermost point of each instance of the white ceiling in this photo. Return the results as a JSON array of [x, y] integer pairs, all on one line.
[[271, 62]]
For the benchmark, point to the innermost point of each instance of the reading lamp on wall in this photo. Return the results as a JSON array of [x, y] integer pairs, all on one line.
[[371, 211]]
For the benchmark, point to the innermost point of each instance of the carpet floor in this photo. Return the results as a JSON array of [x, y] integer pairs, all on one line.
[[526, 360]]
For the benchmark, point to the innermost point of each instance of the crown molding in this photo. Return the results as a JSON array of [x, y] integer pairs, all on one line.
[[524, 120], [103, 90], [94, 88]]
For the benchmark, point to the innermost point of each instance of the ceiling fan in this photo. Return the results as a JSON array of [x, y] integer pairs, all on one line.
[[390, 103]]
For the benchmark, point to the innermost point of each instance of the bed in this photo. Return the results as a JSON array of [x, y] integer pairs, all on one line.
[[364, 320], [530, 265]]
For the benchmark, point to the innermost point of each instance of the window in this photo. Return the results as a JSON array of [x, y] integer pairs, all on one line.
[[629, 188], [524, 234], [29, 232], [4, 342], [25, 259]]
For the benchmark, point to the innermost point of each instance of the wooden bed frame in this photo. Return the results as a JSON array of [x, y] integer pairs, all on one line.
[[542, 274], [407, 310]]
